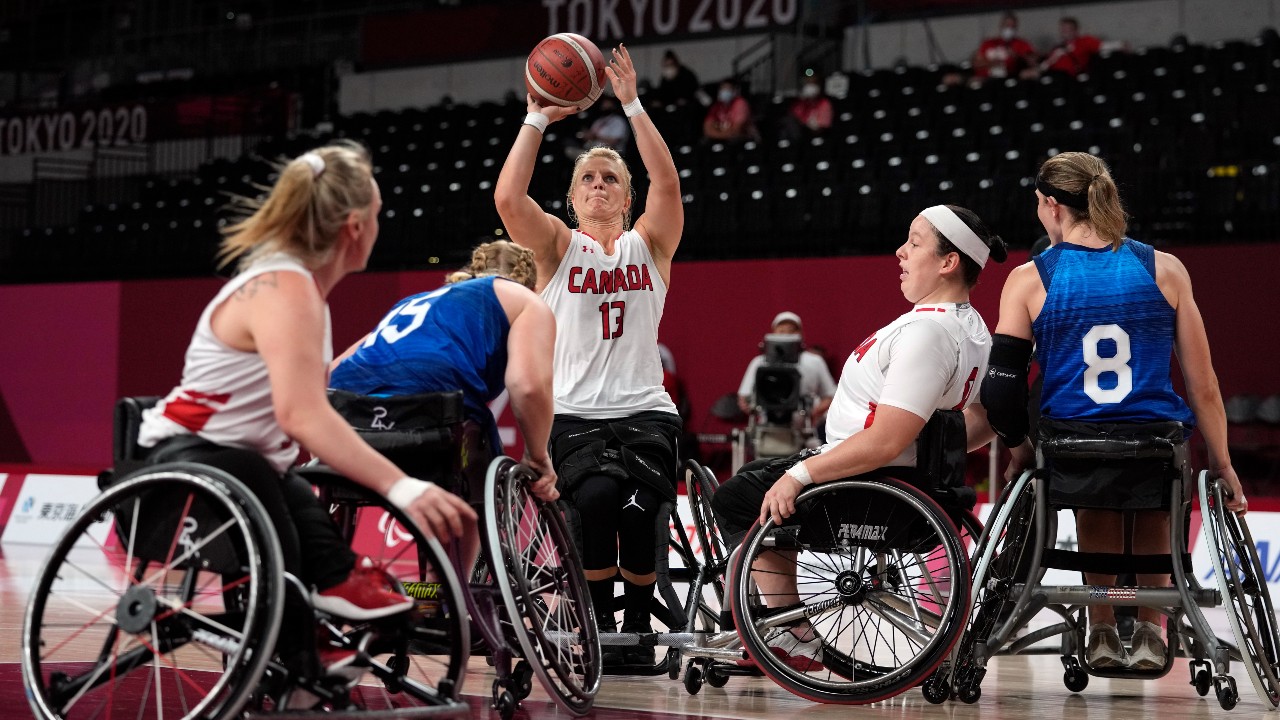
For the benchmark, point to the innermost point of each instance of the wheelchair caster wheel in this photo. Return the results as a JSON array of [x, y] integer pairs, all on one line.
[[673, 663], [503, 701], [692, 679], [1225, 688], [715, 678], [935, 688], [1202, 681], [1075, 679], [522, 680], [969, 694]]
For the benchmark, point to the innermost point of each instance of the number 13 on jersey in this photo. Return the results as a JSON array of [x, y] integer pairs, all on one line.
[[611, 314]]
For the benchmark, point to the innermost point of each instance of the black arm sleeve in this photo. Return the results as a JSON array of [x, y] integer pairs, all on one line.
[[1004, 389]]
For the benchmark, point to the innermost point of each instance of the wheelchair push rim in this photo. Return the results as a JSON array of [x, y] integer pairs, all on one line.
[[887, 615], [185, 631], [1243, 583], [539, 574]]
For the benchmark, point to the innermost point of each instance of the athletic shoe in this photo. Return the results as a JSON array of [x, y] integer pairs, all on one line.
[[368, 593], [1105, 649], [802, 655], [1148, 651]]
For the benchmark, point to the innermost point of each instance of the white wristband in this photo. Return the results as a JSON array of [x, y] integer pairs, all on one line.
[[537, 120], [800, 473], [406, 490], [633, 108]]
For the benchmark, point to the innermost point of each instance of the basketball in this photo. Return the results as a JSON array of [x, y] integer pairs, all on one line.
[[567, 70]]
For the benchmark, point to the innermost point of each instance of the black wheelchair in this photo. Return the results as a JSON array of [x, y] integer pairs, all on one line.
[[881, 573], [168, 597], [1020, 544], [527, 594]]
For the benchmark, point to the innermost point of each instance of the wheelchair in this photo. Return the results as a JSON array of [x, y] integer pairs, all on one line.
[[1019, 545], [701, 572], [881, 572], [527, 594], [167, 597], [781, 422]]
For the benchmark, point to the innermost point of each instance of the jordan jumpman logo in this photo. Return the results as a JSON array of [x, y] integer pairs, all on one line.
[[632, 501]]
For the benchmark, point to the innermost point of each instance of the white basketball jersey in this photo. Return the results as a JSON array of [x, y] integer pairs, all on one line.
[[607, 310], [931, 358], [225, 394]]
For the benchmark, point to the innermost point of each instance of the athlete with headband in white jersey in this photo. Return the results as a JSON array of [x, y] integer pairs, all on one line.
[[931, 358]]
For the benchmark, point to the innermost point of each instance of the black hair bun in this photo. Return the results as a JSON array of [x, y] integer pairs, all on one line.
[[999, 251]]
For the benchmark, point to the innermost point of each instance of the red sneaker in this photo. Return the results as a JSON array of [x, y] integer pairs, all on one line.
[[366, 594]]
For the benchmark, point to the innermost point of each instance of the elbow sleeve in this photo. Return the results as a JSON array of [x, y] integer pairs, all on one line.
[[1004, 389]]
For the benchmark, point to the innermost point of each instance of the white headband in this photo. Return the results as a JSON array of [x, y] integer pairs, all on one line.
[[959, 234], [315, 161]]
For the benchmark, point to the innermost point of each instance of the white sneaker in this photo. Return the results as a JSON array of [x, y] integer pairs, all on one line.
[[1149, 650], [1105, 649]]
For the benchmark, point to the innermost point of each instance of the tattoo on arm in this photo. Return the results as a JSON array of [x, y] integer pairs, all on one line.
[[249, 289]]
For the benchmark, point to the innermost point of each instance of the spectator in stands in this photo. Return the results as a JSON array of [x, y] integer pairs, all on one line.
[[729, 117], [816, 382], [1002, 56], [609, 129], [678, 85], [810, 114], [1071, 56]]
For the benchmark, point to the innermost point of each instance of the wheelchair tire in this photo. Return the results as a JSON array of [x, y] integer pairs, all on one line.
[[131, 628], [700, 486], [538, 571], [426, 665], [1000, 560], [1243, 583], [883, 579]]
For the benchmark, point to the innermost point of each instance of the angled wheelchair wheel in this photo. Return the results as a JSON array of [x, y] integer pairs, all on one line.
[[1001, 559], [423, 663], [162, 599], [701, 485], [537, 569], [1243, 583], [881, 579]]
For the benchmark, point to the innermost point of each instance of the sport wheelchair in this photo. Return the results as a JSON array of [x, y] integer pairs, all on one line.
[[1019, 544], [167, 597], [527, 595], [881, 576]]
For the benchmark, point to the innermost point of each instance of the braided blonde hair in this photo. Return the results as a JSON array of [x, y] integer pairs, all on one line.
[[502, 258]]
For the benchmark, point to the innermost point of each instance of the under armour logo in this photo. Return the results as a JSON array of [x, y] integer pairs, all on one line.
[[380, 412], [632, 501]]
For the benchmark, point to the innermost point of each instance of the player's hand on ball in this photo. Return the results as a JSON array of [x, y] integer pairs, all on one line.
[[553, 112]]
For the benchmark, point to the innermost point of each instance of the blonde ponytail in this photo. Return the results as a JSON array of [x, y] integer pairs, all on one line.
[[1082, 174]]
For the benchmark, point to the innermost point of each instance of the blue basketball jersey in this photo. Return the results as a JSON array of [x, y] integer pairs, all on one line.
[[1105, 336], [454, 338]]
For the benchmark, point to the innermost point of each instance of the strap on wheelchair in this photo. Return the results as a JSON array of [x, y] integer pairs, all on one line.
[[1066, 440], [1113, 563]]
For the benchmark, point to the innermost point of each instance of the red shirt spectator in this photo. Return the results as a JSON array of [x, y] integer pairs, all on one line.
[[729, 117], [1005, 55], [812, 109], [1073, 54]]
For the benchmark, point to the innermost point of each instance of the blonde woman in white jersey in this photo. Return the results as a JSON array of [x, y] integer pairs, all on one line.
[[931, 358], [614, 439], [254, 379]]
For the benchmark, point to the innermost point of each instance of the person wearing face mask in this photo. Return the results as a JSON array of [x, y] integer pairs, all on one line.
[[1004, 55], [810, 114], [677, 85], [729, 117]]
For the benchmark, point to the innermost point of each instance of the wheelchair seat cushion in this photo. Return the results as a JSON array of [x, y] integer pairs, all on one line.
[[1110, 465]]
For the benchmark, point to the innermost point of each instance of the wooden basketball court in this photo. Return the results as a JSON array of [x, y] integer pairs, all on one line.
[[1017, 688]]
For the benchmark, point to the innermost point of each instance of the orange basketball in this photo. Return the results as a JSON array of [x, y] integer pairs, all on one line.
[[567, 70]]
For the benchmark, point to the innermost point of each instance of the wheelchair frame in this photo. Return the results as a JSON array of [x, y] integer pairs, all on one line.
[[1007, 594]]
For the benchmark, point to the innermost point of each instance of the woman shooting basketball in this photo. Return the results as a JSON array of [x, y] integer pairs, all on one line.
[[614, 436]]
